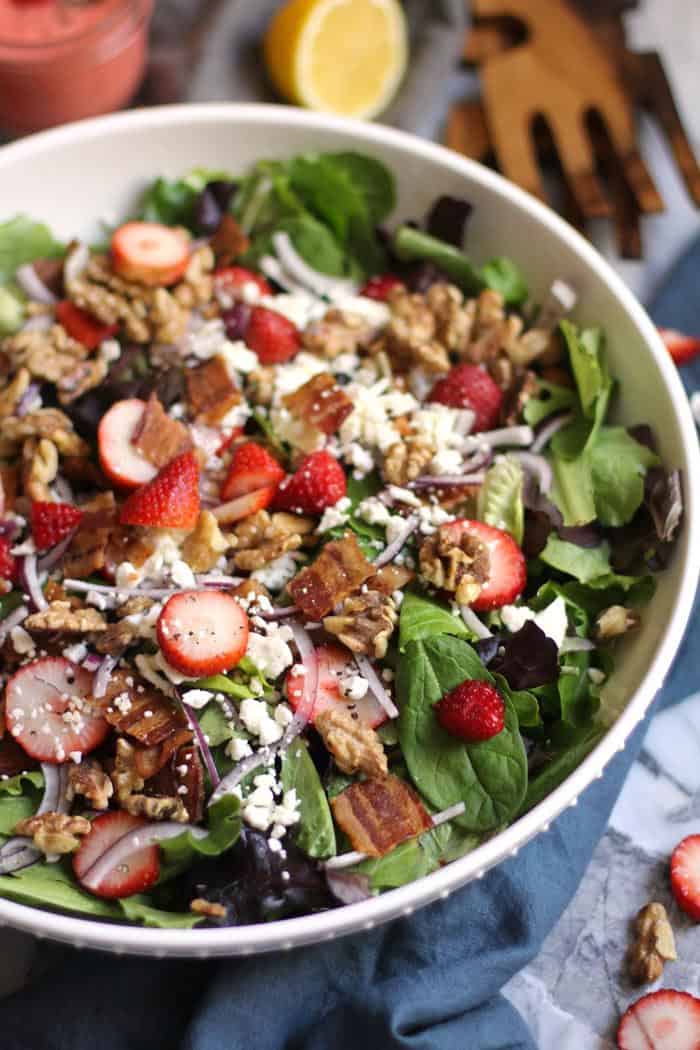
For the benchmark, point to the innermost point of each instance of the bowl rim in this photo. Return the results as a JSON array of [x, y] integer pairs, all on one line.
[[288, 933]]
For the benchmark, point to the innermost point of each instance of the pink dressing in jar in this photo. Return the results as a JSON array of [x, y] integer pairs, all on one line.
[[63, 60]]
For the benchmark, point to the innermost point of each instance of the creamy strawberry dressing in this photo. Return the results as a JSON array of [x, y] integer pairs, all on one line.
[[61, 61]]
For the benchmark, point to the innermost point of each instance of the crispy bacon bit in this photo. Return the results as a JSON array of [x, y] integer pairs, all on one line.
[[390, 578], [321, 403], [211, 391], [50, 272], [379, 813], [340, 569], [229, 241], [158, 437], [86, 553], [182, 770], [13, 759], [127, 544], [141, 712], [9, 476]]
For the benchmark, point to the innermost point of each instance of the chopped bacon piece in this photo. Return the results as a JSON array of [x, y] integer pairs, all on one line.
[[211, 391], [340, 569], [229, 241], [86, 553], [13, 758], [125, 544], [182, 769], [8, 488], [158, 437], [140, 711], [379, 813], [321, 403], [390, 578]]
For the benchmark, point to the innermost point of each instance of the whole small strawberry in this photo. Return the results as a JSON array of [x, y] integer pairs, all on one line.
[[272, 336], [51, 522], [473, 711], [469, 386], [318, 482]]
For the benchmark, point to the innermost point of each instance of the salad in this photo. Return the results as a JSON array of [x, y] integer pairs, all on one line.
[[316, 545]]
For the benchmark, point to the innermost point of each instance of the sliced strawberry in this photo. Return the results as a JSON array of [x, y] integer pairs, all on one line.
[[133, 873], [507, 569], [243, 506], [233, 279], [150, 253], [380, 286], [663, 1020], [8, 562], [170, 501], [51, 522], [318, 482], [685, 875], [82, 326], [469, 386], [252, 468], [48, 710], [202, 632], [121, 461], [681, 347], [273, 337], [335, 668], [235, 435]]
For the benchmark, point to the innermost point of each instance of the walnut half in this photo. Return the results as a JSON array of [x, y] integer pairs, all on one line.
[[654, 944], [456, 562], [615, 621], [365, 623], [355, 747], [54, 832]]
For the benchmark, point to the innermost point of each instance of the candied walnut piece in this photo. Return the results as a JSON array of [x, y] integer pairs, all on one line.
[[212, 910], [89, 780], [411, 336], [82, 377], [261, 538], [365, 623], [453, 320], [320, 402], [11, 395], [615, 621], [158, 437], [9, 479], [47, 354], [39, 468], [355, 747], [340, 569], [156, 807], [390, 578], [60, 616], [211, 391], [54, 832], [653, 945], [229, 241], [139, 710], [337, 333], [379, 813], [48, 423], [198, 285], [125, 776], [205, 544], [407, 460], [86, 552], [456, 563]]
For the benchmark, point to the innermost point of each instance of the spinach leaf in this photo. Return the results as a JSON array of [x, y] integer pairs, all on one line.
[[22, 782], [502, 275], [500, 501], [312, 240], [422, 617], [489, 777], [372, 179], [371, 538], [224, 827], [9, 602], [221, 683], [579, 704], [417, 857], [22, 241], [618, 465], [172, 201], [411, 245], [14, 808], [550, 399], [559, 768], [215, 726], [316, 834], [525, 703]]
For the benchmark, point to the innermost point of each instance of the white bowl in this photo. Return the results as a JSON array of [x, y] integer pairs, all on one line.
[[76, 175]]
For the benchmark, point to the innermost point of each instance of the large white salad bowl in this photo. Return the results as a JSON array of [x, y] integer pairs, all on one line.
[[75, 176]]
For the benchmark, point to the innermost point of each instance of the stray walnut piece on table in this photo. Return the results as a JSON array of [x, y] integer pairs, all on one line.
[[653, 945]]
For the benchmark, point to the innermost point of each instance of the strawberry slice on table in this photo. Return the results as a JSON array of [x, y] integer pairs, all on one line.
[[82, 326], [233, 279], [272, 336], [243, 506], [318, 482], [336, 669], [380, 286], [252, 467], [202, 632], [507, 567], [38, 698], [51, 522], [663, 1020], [170, 500], [685, 875], [8, 562], [133, 873], [469, 386], [119, 458], [682, 348], [150, 253], [473, 711]]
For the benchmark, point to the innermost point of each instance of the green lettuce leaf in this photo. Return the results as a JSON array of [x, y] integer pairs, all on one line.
[[53, 886], [172, 201], [503, 276], [618, 465], [551, 399], [138, 909], [22, 241], [560, 767], [500, 501], [224, 827], [583, 563], [422, 617], [572, 489], [586, 354]]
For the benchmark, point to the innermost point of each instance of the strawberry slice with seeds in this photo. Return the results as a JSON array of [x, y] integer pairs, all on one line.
[[133, 873], [121, 461], [82, 326], [252, 468], [233, 280], [318, 482], [507, 574], [51, 522], [663, 1020], [469, 386], [273, 337], [338, 682], [150, 253], [49, 712], [170, 501], [243, 506], [685, 875], [202, 632], [682, 348], [380, 286], [8, 562]]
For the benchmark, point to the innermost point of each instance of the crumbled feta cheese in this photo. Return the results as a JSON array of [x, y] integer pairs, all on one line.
[[443, 427], [161, 664], [109, 351], [353, 686], [197, 698], [359, 458], [431, 517], [370, 423], [514, 617], [283, 715], [238, 358], [205, 338], [401, 495], [182, 575], [447, 461], [237, 416], [22, 641], [238, 748], [344, 364], [298, 307], [395, 526], [335, 515], [552, 620], [296, 432], [76, 653], [277, 573], [76, 757], [256, 718], [127, 575], [373, 511], [375, 313]]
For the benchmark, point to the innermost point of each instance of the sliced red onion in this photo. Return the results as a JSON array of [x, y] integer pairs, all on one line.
[[8, 528], [445, 481], [448, 814], [574, 644], [348, 888], [520, 435], [30, 581], [307, 657], [38, 323], [76, 263], [319, 283], [212, 580], [33, 286], [376, 686], [53, 557], [132, 842], [24, 404], [390, 552], [204, 750], [18, 852], [549, 429], [19, 858], [479, 460], [474, 623], [272, 269], [92, 662], [83, 586], [13, 619], [227, 784], [348, 860], [101, 679], [63, 490], [538, 467], [560, 301], [281, 613]]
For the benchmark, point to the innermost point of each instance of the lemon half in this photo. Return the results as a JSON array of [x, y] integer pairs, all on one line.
[[338, 56]]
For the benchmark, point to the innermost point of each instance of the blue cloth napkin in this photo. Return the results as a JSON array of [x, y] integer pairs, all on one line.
[[431, 982]]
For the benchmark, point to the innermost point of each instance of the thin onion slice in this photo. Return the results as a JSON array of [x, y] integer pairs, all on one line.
[[33, 287], [24, 405], [13, 619], [202, 744], [574, 644], [101, 679], [275, 272], [20, 858], [263, 756], [549, 429], [473, 622], [348, 887], [282, 612], [19, 852], [519, 435], [390, 552], [132, 842], [319, 283], [38, 323], [376, 686], [28, 574], [446, 481], [348, 860], [76, 263], [92, 662], [47, 561], [538, 467]]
